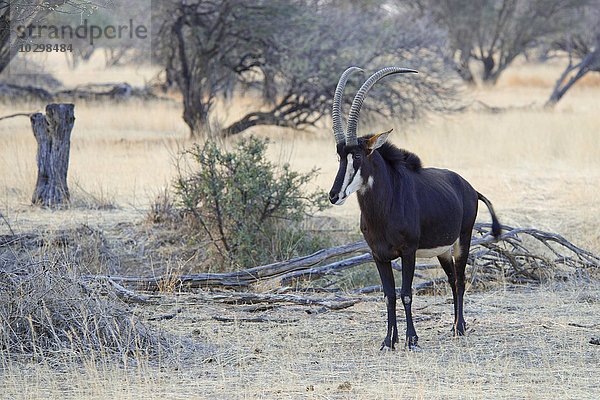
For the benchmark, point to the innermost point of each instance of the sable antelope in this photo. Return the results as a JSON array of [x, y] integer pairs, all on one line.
[[407, 211]]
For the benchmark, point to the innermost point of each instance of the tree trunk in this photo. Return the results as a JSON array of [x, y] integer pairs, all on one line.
[[53, 135], [195, 113], [195, 105], [591, 62], [488, 76], [13, 13]]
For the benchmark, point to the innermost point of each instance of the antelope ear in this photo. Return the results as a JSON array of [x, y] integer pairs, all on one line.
[[376, 141]]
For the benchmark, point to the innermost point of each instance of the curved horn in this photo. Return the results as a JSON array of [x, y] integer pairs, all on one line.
[[336, 111], [351, 138]]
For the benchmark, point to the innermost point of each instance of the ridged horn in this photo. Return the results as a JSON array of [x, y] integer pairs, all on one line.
[[336, 110], [351, 138]]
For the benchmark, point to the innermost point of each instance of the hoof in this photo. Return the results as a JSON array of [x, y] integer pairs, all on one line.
[[385, 348], [459, 330], [414, 348], [411, 343], [388, 345]]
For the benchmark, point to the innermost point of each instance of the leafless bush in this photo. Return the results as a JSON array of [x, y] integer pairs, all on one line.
[[46, 309], [163, 209]]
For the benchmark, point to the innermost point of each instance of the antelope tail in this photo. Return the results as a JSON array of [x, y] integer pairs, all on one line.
[[496, 228]]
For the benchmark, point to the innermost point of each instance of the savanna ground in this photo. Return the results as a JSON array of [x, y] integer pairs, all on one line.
[[540, 168]]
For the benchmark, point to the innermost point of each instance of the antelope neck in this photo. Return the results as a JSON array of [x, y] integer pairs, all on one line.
[[376, 200]]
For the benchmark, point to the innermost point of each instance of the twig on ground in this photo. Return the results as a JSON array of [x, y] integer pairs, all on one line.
[[336, 303], [255, 319]]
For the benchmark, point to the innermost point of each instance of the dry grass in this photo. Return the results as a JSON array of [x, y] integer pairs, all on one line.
[[533, 75], [53, 309], [540, 169], [48, 313]]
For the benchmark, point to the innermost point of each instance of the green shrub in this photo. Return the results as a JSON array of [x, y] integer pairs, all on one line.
[[252, 210]]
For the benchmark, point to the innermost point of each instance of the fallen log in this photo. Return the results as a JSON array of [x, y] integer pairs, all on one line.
[[318, 272], [11, 91], [487, 256], [91, 92], [240, 279]]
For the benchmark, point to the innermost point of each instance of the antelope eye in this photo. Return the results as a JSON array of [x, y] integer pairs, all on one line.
[[356, 156]]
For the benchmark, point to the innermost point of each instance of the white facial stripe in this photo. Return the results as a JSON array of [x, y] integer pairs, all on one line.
[[349, 173], [348, 176], [355, 185], [353, 181]]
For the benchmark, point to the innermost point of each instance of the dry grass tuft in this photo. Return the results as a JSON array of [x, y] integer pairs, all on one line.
[[48, 310], [163, 209], [51, 310]]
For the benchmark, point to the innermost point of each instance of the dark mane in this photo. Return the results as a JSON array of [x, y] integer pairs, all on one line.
[[399, 157]]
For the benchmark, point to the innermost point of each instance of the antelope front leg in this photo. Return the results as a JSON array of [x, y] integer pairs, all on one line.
[[389, 289], [408, 272]]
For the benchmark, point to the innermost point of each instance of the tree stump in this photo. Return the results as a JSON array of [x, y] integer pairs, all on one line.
[[53, 135]]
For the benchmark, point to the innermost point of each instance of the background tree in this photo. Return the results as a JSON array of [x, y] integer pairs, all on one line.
[[582, 45], [291, 55], [305, 67], [494, 32], [205, 45], [26, 12]]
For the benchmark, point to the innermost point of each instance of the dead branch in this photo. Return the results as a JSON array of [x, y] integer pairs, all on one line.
[[255, 319], [16, 115], [245, 277], [427, 285], [521, 255], [336, 303], [128, 295], [164, 317], [335, 267], [480, 106], [317, 272], [528, 254]]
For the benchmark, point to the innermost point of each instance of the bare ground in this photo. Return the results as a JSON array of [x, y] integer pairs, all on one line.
[[522, 342]]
